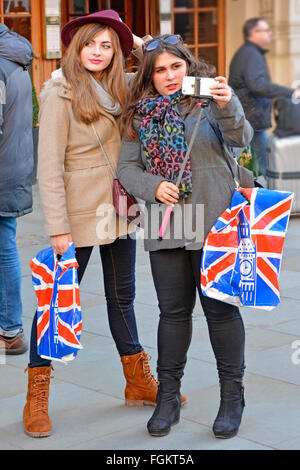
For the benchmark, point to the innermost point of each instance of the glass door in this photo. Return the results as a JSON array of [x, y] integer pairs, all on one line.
[[85, 7], [16, 14], [82, 7], [201, 25]]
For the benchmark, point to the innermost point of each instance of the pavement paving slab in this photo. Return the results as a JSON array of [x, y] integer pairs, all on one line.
[[87, 396]]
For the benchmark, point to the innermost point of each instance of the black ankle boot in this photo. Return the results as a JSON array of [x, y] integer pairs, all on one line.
[[232, 405], [167, 411]]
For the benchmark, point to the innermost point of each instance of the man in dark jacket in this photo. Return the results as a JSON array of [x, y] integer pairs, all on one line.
[[16, 165], [250, 78]]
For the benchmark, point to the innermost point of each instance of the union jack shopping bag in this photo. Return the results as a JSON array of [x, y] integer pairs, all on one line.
[[59, 321], [242, 253]]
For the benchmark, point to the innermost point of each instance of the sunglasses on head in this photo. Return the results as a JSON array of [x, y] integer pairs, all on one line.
[[172, 39]]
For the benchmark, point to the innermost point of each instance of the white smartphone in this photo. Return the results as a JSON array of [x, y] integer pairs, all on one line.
[[198, 86]]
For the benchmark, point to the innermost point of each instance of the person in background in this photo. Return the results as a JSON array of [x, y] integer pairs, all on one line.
[[16, 166], [249, 77]]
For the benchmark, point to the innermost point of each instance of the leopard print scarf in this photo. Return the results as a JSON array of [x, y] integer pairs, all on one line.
[[163, 139]]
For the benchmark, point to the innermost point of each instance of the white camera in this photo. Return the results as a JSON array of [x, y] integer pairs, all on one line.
[[198, 86]]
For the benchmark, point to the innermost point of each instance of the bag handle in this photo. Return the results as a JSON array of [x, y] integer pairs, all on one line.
[[112, 169]]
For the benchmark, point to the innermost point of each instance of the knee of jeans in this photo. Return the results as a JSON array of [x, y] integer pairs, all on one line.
[[7, 232], [221, 312], [121, 296], [176, 312]]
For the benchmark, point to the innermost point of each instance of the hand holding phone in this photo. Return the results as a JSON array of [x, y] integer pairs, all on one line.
[[221, 92], [209, 88], [198, 86]]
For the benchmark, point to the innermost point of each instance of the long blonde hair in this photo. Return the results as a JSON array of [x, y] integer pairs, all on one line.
[[85, 102]]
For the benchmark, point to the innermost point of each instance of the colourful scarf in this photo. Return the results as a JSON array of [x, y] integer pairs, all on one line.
[[163, 139]]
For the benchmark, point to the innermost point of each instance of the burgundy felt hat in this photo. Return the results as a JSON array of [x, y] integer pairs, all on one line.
[[107, 17]]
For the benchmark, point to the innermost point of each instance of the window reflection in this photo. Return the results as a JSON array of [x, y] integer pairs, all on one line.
[[77, 7], [184, 25], [20, 26], [207, 3], [208, 27], [16, 6], [184, 4], [209, 54]]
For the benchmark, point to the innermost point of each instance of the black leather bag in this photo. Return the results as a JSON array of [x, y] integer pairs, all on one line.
[[287, 117]]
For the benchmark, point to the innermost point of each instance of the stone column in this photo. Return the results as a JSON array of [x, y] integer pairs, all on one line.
[[284, 57]]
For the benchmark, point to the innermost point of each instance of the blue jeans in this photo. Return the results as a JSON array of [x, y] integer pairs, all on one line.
[[10, 278], [118, 264], [259, 144]]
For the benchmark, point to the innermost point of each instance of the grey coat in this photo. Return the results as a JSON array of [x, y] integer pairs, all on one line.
[[16, 146], [213, 182]]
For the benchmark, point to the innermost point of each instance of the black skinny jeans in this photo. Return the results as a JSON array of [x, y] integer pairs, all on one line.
[[176, 274], [118, 264]]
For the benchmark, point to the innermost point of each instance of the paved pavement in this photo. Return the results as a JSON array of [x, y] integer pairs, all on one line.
[[86, 400]]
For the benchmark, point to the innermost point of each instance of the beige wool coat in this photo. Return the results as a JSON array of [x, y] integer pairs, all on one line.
[[75, 180]]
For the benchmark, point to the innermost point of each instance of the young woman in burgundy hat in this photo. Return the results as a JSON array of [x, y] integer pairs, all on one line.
[[80, 106]]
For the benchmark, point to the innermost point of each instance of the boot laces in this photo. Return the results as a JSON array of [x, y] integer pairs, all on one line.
[[145, 358], [40, 393]]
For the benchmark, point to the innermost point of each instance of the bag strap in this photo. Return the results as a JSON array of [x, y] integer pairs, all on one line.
[[112, 168], [226, 151], [183, 165]]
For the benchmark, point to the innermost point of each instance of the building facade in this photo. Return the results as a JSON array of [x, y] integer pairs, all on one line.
[[212, 29]]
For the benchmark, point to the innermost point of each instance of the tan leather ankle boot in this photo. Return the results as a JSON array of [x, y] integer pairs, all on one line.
[[36, 420], [141, 386]]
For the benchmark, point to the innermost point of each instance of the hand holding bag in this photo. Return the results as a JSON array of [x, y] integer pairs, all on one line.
[[125, 204]]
